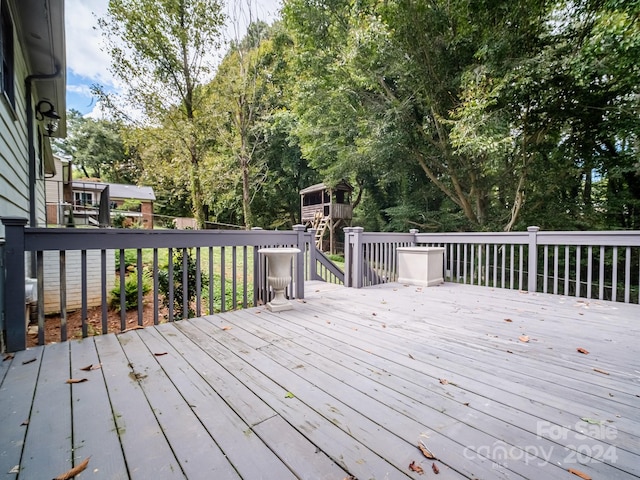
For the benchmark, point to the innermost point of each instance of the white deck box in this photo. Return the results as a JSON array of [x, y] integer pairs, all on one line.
[[421, 265]]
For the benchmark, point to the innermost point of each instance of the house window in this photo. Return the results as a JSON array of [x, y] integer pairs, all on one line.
[[6, 67], [83, 199]]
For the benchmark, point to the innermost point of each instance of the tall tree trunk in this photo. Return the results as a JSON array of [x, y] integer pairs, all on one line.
[[196, 191]]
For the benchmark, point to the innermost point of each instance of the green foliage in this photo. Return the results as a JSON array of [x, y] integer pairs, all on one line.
[[130, 260], [131, 291], [164, 279]]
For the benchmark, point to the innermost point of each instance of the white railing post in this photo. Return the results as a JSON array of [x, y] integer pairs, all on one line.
[[532, 274], [414, 240], [299, 271], [14, 286], [348, 257], [357, 260]]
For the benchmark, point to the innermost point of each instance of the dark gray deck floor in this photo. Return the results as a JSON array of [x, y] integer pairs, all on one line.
[[346, 384]]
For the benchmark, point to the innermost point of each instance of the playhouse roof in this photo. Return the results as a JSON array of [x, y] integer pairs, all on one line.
[[318, 187]]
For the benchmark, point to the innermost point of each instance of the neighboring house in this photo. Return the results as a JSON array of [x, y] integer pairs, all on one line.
[[59, 195], [32, 95], [87, 195]]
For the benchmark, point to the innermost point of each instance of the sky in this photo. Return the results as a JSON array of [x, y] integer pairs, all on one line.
[[87, 64]]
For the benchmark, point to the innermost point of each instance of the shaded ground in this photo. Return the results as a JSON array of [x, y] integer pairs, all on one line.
[[94, 322]]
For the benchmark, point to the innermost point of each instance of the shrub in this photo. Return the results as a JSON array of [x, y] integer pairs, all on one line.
[[178, 289], [130, 291]]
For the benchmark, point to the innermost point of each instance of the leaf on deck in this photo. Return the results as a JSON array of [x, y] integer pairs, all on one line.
[[508, 320], [8, 356], [77, 380], [600, 371], [350, 477], [582, 350], [159, 354], [74, 471], [226, 327], [413, 466], [592, 421], [435, 468], [289, 395], [95, 366], [523, 338], [25, 423], [444, 381], [425, 451], [31, 360], [135, 327], [579, 474]]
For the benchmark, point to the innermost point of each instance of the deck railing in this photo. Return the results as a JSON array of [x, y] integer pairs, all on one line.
[[229, 260], [602, 265]]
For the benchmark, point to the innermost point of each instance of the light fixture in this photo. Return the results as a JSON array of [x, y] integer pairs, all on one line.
[[47, 112]]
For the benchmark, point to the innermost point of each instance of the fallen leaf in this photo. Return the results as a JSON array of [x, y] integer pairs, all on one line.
[[15, 469], [444, 381], [289, 395], [592, 421], [579, 474], [374, 314], [74, 471], [509, 351], [600, 371], [160, 354], [8, 356], [31, 360], [508, 320], [91, 367], [466, 404], [135, 327], [350, 477], [411, 357], [425, 451], [583, 351], [26, 422], [384, 325], [523, 338], [435, 468], [77, 380], [416, 468]]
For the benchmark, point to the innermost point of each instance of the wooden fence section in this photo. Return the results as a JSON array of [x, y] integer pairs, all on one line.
[[602, 265], [222, 268]]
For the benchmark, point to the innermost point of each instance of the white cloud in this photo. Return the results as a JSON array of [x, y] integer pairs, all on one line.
[[84, 54]]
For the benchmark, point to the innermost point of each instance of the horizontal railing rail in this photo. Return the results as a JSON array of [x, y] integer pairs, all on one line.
[[326, 270], [195, 272], [591, 265]]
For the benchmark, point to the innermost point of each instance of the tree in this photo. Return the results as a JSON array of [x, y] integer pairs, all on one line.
[[162, 52]]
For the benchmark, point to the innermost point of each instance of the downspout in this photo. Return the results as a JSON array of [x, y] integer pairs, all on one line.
[[32, 148], [32, 151]]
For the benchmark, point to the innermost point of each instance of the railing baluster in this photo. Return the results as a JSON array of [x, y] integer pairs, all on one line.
[[521, 268], [234, 286], [627, 275], [185, 284], [556, 253], [40, 277], [171, 299], [545, 271], [140, 309], [511, 267], [245, 297], [503, 265], [156, 290], [589, 270], [103, 285], [83, 292], [495, 265], [123, 301], [614, 279], [198, 284], [601, 278], [464, 264], [223, 282], [566, 270], [211, 282], [63, 295], [472, 264], [578, 265]]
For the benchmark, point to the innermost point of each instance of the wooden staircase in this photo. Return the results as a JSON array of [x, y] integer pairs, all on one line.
[[320, 224]]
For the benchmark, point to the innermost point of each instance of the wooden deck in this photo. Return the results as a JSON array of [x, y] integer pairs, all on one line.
[[346, 384]]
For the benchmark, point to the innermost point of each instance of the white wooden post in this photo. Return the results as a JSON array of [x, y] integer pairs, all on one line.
[[532, 274]]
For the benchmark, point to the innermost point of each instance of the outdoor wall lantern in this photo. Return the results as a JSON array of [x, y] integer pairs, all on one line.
[[45, 111]]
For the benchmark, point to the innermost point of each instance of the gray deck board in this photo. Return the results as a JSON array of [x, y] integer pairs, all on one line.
[[344, 384]]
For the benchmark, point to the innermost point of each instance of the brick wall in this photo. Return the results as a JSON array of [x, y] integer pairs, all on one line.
[[147, 214]]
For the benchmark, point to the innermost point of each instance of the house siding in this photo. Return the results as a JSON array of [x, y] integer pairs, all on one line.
[[74, 279], [14, 150]]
